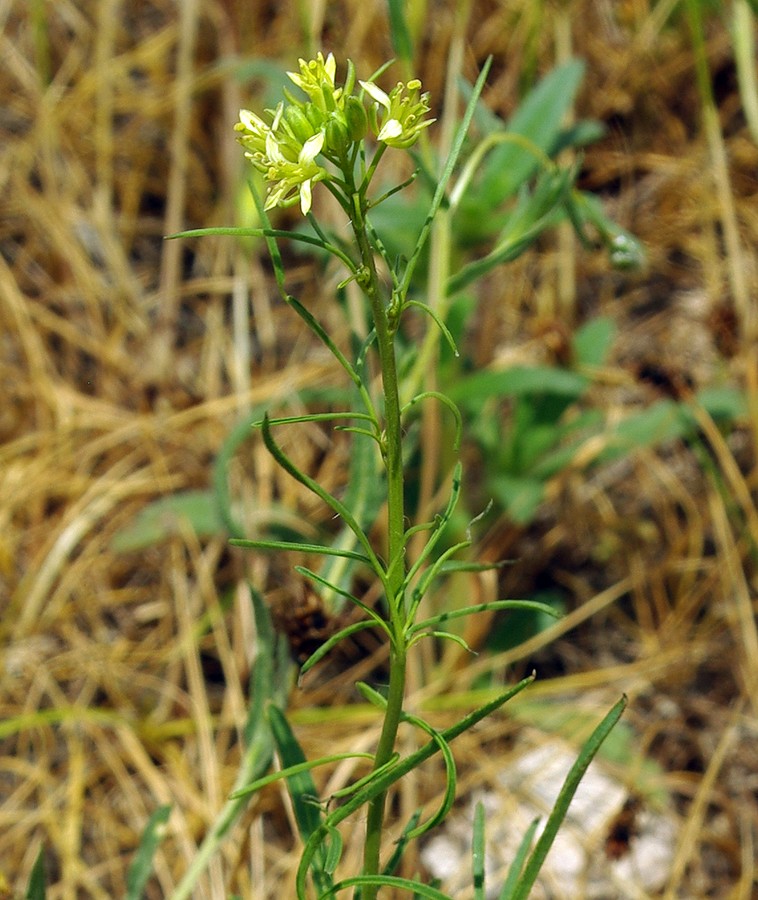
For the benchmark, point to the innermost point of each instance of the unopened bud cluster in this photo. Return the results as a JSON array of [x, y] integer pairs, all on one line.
[[290, 151]]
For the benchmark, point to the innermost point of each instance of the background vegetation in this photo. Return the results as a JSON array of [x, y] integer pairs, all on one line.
[[128, 363]]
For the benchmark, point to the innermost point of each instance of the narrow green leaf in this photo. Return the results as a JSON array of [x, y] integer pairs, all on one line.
[[300, 547], [451, 777], [493, 605], [361, 782], [455, 491], [539, 118], [445, 400], [318, 329], [270, 234], [166, 517], [438, 322], [335, 639], [404, 884], [592, 342], [299, 782], [332, 502], [323, 582], [560, 808], [384, 781], [142, 865], [36, 887], [514, 870], [315, 417], [296, 769], [478, 852], [450, 163], [517, 381], [397, 854], [302, 791], [401, 36], [333, 852]]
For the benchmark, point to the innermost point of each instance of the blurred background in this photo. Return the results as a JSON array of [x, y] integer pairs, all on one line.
[[623, 472]]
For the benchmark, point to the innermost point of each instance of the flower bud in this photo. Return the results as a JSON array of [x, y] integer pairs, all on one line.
[[337, 135], [355, 117], [299, 124]]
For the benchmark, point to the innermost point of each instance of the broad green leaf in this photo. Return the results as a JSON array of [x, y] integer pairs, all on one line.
[[519, 496], [539, 118], [166, 517], [472, 392], [592, 342]]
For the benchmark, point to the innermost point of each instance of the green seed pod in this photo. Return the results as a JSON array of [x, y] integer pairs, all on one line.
[[355, 116]]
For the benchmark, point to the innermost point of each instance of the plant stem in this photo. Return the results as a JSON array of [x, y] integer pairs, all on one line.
[[393, 459]]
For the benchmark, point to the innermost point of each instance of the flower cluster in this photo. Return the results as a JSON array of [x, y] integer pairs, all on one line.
[[403, 117], [291, 151]]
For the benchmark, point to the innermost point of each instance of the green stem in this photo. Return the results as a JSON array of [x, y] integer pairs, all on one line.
[[393, 459]]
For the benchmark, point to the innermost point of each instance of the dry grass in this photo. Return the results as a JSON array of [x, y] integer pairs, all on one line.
[[125, 361]]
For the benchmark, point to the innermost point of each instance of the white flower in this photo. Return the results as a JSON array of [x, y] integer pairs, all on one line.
[[403, 117], [292, 179]]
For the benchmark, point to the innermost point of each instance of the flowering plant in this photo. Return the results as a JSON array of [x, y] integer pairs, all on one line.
[[331, 124], [337, 137]]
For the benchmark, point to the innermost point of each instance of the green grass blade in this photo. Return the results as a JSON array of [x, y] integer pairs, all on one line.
[[519, 859], [560, 808], [269, 682], [478, 848], [401, 36], [142, 865], [397, 854], [36, 888], [303, 793]]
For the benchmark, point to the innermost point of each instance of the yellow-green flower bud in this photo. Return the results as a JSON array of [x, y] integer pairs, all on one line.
[[315, 116], [355, 117], [299, 124], [337, 135]]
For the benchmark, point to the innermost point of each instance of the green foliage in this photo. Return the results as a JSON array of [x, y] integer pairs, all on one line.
[[141, 867], [36, 887], [500, 191]]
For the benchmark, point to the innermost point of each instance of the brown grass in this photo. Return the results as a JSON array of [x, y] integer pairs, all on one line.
[[126, 360]]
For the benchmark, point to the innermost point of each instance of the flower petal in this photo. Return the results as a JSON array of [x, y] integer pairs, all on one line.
[[305, 197], [391, 129], [311, 148], [330, 67], [376, 93]]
